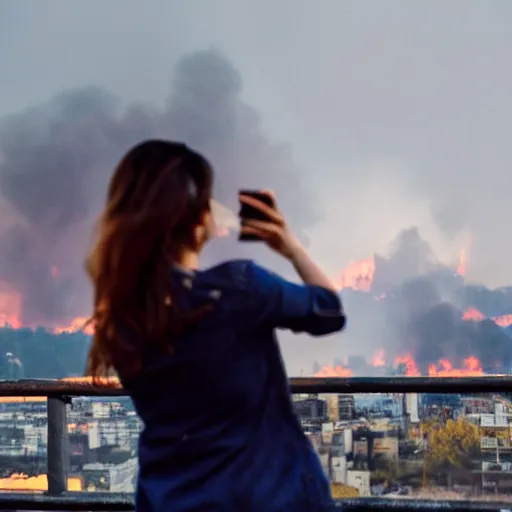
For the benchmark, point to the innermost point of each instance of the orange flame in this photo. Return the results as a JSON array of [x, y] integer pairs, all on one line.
[[80, 323], [503, 320], [379, 358], [476, 316], [444, 368], [21, 482], [112, 382], [334, 371], [10, 307], [463, 263], [473, 314], [411, 370], [21, 399], [358, 275]]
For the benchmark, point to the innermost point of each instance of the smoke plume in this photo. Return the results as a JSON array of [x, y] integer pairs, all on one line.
[[56, 160], [421, 312]]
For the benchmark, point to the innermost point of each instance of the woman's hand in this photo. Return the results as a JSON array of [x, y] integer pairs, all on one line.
[[274, 231], [276, 234]]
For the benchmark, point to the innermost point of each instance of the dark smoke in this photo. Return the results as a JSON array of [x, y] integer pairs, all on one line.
[[409, 256], [423, 307], [440, 333], [56, 159]]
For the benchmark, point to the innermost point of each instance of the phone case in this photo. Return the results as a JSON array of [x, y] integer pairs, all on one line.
[[248, 212]]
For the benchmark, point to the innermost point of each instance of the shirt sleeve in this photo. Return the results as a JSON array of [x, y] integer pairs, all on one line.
[[279, 303]]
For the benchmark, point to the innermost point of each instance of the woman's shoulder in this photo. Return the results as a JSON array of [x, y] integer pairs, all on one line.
[[235, 273], [239, 275], [243, 274]]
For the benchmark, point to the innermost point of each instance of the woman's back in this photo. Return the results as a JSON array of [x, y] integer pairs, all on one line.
[[196, 350], [220, 432]]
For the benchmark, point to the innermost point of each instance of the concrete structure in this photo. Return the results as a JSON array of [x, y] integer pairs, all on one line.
[[360, 480], [340, 407], [109, 477]]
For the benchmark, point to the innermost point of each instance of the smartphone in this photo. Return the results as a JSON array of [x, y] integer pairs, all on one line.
[[248, 212]]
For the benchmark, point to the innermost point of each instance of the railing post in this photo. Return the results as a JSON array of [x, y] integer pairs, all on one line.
[[58, 446]]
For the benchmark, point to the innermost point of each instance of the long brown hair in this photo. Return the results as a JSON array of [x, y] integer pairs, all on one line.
[[157, 196]]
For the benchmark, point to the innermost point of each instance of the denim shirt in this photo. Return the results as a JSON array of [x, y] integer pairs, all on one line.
[[220, 433]]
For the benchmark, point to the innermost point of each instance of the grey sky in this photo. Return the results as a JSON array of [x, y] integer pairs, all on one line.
[[401, 109]]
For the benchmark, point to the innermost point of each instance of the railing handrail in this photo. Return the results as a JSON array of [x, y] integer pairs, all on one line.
[[447, 385], [101, 501], [58, 391]]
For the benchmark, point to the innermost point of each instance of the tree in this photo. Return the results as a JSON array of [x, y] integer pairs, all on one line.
[[386, 469], [450, 446], [40, 354]]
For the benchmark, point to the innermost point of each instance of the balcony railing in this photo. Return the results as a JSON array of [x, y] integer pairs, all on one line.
[[59, 393]]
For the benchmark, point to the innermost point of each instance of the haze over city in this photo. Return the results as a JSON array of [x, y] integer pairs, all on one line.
[[366, 118]]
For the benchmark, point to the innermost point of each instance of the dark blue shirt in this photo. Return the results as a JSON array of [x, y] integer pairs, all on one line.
[[220, 433]]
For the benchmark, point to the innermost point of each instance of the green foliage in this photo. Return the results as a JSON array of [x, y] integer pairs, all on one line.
[[386, 469], [43, 354]]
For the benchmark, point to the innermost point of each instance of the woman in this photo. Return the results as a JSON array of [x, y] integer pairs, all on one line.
[[196, 349]]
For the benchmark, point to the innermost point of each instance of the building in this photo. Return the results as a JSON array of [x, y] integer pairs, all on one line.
[[342, 442], [340, 407], [346, 407], [359, 480], [110, 477], [99, 433], [339, 468], [496, 477], [333, 412], [412, 408], [310, 409], [442, 407]]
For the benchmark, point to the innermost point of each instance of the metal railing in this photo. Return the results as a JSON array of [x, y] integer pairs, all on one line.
[[59, 393]]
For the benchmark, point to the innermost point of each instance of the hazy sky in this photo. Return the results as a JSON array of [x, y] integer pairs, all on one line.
[[401, 109]]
